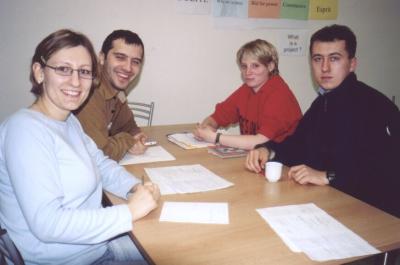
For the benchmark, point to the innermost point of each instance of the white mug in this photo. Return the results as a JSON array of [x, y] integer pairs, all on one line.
[[273, 171]]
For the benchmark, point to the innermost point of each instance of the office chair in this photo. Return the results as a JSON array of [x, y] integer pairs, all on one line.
[[142, 110], [8, 251]]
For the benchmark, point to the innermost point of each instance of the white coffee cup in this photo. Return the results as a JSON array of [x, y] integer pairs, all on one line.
[[273, 171]]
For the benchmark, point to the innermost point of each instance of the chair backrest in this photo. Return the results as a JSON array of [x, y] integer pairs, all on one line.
[[143, 111], [8, 251]]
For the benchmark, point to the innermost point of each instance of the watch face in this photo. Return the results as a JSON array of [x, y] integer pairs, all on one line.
[[330, 175]]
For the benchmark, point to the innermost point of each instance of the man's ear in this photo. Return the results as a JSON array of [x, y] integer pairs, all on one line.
[[101, 58], [38, 72], [353, 64], [271, 67]]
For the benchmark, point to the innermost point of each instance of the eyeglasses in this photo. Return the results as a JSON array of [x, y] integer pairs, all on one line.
[[68, 71]]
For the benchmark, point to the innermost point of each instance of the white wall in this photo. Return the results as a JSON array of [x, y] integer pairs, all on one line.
[[190, 65]]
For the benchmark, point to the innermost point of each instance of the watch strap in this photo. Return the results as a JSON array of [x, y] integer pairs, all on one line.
[[217, 138], [330, 175]]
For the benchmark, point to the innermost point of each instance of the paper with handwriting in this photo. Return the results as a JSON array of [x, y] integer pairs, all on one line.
[[186, 179], [152, 154], [186, 140], [307, 228]]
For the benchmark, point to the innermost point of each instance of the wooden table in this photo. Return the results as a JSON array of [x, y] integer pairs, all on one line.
[[248, 239]]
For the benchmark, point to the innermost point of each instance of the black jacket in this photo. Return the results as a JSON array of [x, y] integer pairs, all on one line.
[[353, 130]]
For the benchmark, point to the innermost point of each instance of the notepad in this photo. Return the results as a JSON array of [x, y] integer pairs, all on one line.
[[186, 140], [152, 154], [226, 151]]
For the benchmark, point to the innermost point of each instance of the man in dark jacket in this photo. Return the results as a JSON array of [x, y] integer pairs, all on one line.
[[350, 136]]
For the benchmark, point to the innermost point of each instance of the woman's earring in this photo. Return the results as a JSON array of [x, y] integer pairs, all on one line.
[[40, 78]]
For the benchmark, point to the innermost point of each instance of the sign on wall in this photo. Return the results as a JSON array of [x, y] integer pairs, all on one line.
[[292, 42], [262, 9]]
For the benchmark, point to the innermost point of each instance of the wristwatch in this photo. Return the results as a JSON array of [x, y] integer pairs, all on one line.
[[217, 138], [330, 175]]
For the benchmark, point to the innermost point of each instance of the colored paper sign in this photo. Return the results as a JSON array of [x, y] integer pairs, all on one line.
[[264, 8], [230, 8], [323, 9], [194, 7], [295, 9]]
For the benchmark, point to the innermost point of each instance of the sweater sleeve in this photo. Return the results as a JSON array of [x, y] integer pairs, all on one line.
[[122, 132], [226, 112], [291, 151], [367, 169], [280, 114], [115, 178], [33, 168]]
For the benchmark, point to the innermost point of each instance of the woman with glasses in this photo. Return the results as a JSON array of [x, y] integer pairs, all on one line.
[[52, 174]]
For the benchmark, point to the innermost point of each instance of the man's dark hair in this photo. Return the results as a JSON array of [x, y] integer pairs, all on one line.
[[128, 36], [335, 33]]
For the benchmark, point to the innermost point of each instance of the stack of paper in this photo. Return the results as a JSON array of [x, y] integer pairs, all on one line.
[[306, 228], [187, 140], [186, 179], [226, 151]]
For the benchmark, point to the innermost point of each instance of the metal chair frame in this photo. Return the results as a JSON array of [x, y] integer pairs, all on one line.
[[142, 110], [8, 251]]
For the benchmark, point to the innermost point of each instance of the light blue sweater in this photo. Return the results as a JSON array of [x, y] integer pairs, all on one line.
[[51, 180]]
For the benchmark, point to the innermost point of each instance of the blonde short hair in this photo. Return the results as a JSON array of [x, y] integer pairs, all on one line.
[[264, 51]]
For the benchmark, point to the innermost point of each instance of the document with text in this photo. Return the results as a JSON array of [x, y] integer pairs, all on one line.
[[195, 212], [309, 229], [152, 154], [186, 140], [186, 179]]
